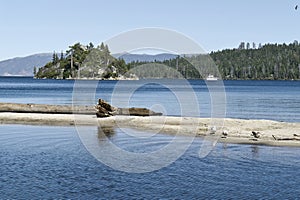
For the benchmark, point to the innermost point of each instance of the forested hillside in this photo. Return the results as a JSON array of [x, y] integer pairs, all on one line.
[[270, 61]]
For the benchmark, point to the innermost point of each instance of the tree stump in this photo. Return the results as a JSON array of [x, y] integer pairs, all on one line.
[[104, 109]]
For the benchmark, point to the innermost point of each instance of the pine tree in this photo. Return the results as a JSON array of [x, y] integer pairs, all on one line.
[[102, 47], [54, 57], [90, 46], [248, 45], [242, 45], [34, 71], [61, 55]]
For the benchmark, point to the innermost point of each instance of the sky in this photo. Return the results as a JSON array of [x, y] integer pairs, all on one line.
[[41, 26]]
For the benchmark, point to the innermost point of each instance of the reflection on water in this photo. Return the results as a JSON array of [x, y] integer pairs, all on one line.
[[51, 162], [128, 139], [255, 151], [105, 133], [275, 100]]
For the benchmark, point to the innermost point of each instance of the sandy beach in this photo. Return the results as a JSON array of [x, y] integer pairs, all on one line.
[[261, 132]]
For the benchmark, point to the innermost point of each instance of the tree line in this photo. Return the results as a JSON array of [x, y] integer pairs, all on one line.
[[247, 61], [271, 61]]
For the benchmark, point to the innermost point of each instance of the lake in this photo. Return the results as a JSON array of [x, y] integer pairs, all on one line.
[[51, 162]]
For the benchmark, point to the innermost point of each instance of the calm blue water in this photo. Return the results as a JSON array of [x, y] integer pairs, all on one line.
[[42, 162], [276, 100]]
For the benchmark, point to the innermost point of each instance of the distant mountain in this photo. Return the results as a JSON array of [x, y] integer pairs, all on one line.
[[145, 57], [23, 66]]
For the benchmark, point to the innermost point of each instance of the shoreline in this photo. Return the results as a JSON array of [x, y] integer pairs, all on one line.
[[237, 131]]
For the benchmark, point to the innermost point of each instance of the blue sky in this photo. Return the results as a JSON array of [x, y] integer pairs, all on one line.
[[36, 26]]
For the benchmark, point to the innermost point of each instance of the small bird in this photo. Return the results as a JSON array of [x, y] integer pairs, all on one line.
[[213, 130], [256, 134], [225, 132], [296, 7]]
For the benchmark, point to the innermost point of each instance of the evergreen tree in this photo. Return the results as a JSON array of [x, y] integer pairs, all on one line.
[[54, 57], [248, 45], [34, 71], [61, 55], [242, 46], [90, 46], [102, 47]]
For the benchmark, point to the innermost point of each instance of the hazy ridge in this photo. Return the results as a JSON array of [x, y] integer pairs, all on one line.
[[23, 66]]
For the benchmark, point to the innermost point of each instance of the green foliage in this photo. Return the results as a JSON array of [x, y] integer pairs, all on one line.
[[83, 62], [271, 61], [55, 58], [61, 55], [34, 70]]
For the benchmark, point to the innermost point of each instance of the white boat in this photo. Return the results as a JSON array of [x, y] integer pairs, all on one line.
[[211, 77]]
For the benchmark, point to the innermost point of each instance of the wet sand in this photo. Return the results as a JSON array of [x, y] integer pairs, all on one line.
[[228, 130]]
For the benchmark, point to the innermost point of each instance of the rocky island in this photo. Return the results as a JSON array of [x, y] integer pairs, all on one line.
[[85, 62]]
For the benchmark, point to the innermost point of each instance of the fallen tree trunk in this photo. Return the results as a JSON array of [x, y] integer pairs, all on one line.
[[137, 112], [104, 109], [49, 109]]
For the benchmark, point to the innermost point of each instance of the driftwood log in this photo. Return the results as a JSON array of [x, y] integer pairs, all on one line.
[[104, 109], [47, 109]]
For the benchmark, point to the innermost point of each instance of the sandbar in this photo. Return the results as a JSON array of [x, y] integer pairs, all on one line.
[[239, 131]]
